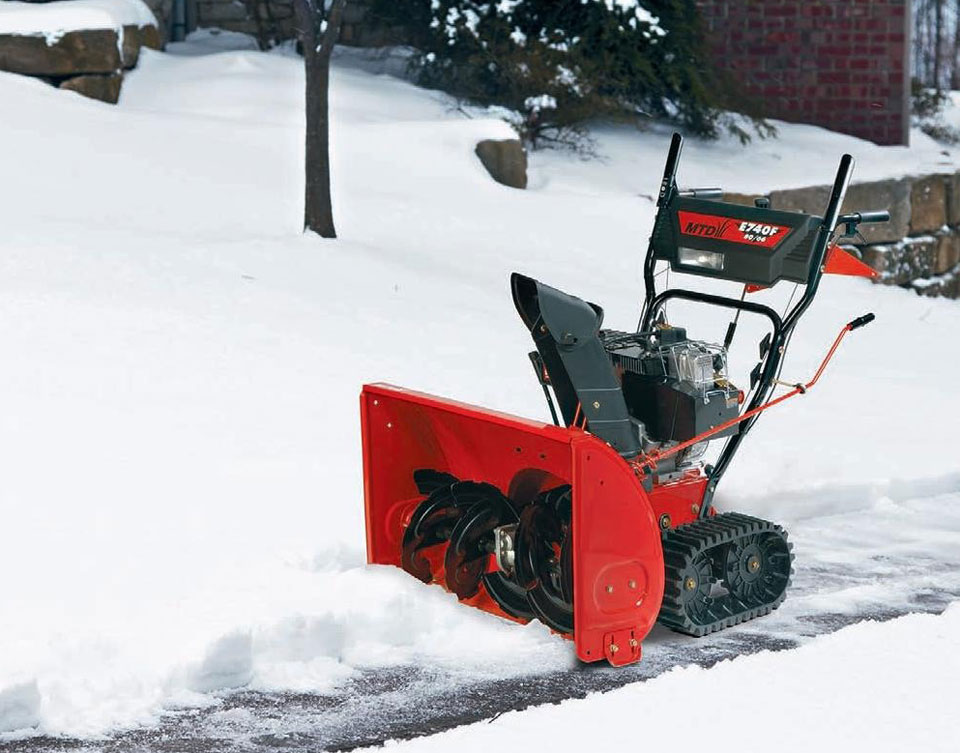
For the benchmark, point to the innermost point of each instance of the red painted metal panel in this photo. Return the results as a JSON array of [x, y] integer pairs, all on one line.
[[681, 500], [618, 562], [405, 430], [840, 262]]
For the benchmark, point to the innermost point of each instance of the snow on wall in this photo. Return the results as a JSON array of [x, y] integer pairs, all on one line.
[[56, 18]]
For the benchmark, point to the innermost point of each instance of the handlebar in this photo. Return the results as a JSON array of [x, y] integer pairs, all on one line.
[[702, 193], [861, 321], [881, 215], [838, 192], [853, 219]]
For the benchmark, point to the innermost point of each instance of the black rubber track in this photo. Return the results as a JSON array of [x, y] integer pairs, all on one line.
[[699, 551]]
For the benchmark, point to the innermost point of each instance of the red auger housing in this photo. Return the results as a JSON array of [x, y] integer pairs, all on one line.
[[601, 523]]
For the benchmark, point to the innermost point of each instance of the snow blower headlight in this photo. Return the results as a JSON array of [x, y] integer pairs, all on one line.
[[692, 257]]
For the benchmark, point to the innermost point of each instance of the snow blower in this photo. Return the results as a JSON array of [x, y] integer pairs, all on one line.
[[603, 523]]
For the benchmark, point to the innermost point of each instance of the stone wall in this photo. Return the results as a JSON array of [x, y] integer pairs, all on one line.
[[919, 248], [274, 21], [271, 20], [841, 64], [90, 62]]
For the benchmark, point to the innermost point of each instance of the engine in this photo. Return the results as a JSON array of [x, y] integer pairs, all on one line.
[[676, 387]]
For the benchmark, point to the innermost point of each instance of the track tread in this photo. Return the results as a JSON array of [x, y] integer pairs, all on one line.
[[684, 544]]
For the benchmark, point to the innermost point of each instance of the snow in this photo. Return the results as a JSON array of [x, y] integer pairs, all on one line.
[[542, 102], [181, 502], [872, 686], [801, 155], [637, 13], [56, 18]]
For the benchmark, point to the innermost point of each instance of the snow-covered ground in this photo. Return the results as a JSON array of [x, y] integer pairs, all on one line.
[[869, 687], [181, 503]]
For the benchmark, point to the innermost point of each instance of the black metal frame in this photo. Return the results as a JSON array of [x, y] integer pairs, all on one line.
[[782, 328]]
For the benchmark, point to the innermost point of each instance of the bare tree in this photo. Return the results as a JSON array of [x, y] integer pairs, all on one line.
[[319, 23], [937, 42], [955, 52]]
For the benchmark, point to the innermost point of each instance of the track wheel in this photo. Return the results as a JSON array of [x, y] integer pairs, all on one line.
[[470, 547], [757, 568], [431, 524], [544, 555], [696, 583]]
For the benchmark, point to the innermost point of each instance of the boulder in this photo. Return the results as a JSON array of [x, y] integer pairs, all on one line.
[[151, 37], [953, 199], [130, 46], [93, 51], [134, 39], [948, 253], [505, 160], [163, 12], [928, 204], [106, 88]]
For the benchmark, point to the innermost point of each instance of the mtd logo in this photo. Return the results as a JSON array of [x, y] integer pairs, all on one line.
[[729, 229]]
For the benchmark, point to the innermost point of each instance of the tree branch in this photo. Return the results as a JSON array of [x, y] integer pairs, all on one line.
[[307, 23], [332, 33]]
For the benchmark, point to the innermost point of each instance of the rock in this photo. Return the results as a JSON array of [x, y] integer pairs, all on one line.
[[93, 51], [151, 37], [505, 160], [953, 199], [106, 88], [130, 47], [892, 195], [928, 204], [214, 11], [163, 12], [947, 287], [948, 253], [901, 263]]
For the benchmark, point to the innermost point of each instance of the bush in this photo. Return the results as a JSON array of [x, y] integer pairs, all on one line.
[[554, 64]]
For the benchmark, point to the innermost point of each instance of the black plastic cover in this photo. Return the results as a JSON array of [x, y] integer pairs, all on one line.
[[565, 330], [733, 242]]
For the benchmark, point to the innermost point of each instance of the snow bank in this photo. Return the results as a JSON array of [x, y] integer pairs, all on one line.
[[872, 686], [182, 497], [19, 707], [801, 155], [56, 18]]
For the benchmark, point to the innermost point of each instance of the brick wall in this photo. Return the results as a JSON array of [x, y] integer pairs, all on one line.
[[841, 64]]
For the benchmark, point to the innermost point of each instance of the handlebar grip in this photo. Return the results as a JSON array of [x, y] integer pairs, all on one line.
[[879, 216], [861, 321], [703, 193]]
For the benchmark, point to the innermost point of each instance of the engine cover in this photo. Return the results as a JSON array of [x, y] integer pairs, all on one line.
[[678, 388]]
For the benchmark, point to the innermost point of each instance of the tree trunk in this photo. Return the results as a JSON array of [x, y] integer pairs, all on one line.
[[318, 207], [937, 36], [317, 50], [955, 52], [918, 68]]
